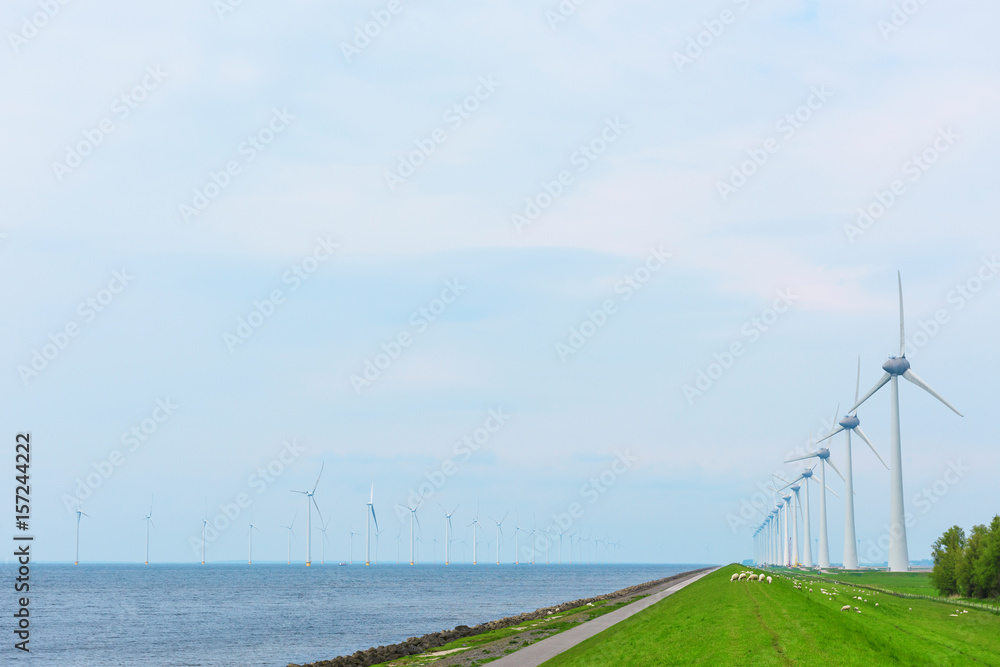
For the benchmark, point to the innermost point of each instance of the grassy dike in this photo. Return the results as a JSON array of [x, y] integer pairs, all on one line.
[[718, 622]]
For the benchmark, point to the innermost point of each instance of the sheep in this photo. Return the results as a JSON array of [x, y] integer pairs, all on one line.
[[743, 576], [769, 580], [735, 575], [846, 607]]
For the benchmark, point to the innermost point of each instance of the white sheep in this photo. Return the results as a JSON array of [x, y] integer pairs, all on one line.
[[769, 580], [846, 607], [743, 576], [733, 578]]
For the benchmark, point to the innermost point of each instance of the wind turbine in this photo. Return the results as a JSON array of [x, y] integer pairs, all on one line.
[[290, 535], [369, 516], [413, 518], [804, 477], [204, 528], [310, 501], [475, 524], [823, 454], [252, 528], [352, 544], [377, 533], [571, 548], [517, 529], [323, 542], [447, 530], [850, 423], [499, 533], [149, 521], [398, 541], [79, 513], [896, 367]]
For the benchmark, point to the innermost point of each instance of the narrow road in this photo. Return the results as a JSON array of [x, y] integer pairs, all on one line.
[[536, 654]]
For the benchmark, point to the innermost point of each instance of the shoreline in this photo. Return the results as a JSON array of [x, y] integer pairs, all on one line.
[[417, 645]]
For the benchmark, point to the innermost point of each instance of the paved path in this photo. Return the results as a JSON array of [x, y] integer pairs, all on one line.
[[536, 654]]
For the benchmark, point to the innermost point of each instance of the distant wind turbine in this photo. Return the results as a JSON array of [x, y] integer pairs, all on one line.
[[447, 531], [149, 521], [823, 454], [352, 544], [413, 518], [326, 524], [850, 423], [310, 502], [475, 524], [291, 534], [204, 529], [252, 528], [499, 534], [896, 367], [79, 513], [369, 517]]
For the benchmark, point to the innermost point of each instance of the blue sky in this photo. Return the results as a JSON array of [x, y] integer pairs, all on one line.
[[653, 184]]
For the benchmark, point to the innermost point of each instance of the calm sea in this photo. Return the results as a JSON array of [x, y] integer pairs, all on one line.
[[269, 614]]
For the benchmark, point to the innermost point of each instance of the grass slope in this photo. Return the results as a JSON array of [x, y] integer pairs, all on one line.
[[718, 622]]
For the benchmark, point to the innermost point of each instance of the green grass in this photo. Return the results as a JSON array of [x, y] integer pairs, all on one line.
[[551, 626], [718, 622], [916, 583]]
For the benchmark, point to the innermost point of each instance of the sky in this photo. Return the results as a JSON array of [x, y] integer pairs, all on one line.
[[601, 266]]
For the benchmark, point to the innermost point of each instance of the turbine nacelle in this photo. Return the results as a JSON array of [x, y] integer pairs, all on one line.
[[823, 453], [896, 366], [807, 473], [850, 422]]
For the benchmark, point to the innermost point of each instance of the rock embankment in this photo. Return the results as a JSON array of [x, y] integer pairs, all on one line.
[[415, 645]]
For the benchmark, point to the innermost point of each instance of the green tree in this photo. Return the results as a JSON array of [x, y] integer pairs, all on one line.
[[948, 552], [986, 570], [967, 583]]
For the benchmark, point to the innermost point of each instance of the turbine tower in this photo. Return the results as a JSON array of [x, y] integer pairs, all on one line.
[[204, 528], [79, 513], [896, 367], [252, 528], [310, 501], [499, 533], [369, 517], [823, 455], [447, 531], [413, 518], [290, 535], [806, 475], [352, 544], [149, 521], [850, 423], [475, 524]]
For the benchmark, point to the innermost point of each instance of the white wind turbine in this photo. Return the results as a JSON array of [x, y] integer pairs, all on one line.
[[79, 513], [252, 528], [413, 519], [204, 529], [352, 544], [475, 525], [377, 533], [896, 367], [447, 531], [517, 529], [326, 524], [291, 533], [149, 521], [499, 533], [850, 423], [804, 477], [310, 501], [823, 454], [369, 517]]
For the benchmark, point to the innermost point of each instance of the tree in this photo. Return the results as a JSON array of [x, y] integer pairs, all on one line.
[[948, 552], [986, 570], [967, 583]]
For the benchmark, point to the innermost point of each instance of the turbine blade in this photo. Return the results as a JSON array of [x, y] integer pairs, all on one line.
[[830, 462], [317, 507], [802, 458], [878, 385], [832, 491], [857, 384], [322, 465], [902, 331], [373, 516], [857, 429], [912, 377], [835, 432]]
